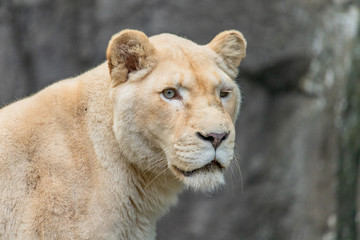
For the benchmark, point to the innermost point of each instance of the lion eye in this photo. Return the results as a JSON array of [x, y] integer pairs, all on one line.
[[170, 93], [224, 94]]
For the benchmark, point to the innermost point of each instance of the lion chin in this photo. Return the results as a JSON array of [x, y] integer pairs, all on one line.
[[206, 178], [205, 181]]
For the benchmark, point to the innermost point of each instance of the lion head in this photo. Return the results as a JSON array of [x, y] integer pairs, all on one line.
[[175, 103]]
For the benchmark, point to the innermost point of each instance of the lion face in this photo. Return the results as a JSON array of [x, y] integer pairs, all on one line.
[[175, 103]]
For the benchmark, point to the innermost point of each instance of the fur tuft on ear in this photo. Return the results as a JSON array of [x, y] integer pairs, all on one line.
[[231, 47], [128, 51]]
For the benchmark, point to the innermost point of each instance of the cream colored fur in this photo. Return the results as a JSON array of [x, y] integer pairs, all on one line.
[[101, 155]]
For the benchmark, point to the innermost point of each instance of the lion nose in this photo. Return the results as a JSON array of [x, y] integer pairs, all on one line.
[[214, 138]]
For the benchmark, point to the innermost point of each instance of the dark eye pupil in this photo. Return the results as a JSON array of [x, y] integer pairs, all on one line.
[[223, 94], [169, 93]]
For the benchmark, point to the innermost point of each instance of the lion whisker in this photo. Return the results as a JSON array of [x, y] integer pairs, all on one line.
[[155, 178], [235, 164], [155, 162]]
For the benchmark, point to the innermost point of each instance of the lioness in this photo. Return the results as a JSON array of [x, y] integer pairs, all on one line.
[[103, 155]]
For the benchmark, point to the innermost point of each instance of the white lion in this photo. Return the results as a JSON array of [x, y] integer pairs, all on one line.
[[103, 155]]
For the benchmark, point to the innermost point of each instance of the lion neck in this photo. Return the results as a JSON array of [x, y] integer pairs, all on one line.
[[153, 193]]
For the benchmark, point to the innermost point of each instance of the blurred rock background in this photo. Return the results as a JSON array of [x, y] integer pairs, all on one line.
[[298, 143]]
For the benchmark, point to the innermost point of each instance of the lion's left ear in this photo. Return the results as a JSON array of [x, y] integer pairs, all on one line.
[[129, 51], [231, 46]]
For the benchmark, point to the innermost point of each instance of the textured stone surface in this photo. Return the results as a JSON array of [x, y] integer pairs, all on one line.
[[292, 81]]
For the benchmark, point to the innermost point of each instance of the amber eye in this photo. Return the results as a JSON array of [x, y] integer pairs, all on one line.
[[170, 93], [224, 94]]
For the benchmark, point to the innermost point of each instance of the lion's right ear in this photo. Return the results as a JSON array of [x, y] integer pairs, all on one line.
[[128, 51]]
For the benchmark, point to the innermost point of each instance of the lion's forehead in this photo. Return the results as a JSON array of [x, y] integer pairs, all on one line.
[[173, 48], [187, 62], [191, 79]]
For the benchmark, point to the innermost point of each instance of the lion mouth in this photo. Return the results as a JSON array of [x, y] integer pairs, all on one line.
[[211, 166]]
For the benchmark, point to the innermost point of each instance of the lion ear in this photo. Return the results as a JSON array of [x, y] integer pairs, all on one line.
[[231, 46], [128, 51]]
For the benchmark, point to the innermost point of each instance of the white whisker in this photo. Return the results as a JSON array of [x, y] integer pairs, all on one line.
[[155, 178], [237, 165]]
